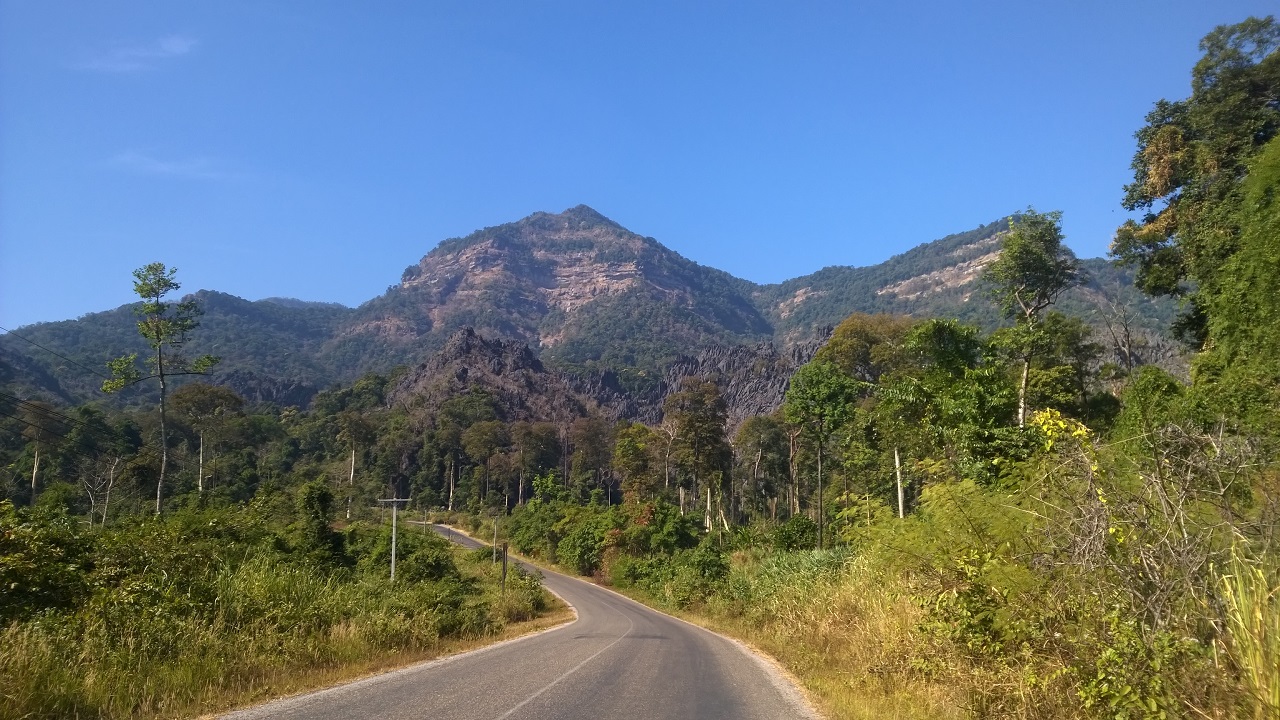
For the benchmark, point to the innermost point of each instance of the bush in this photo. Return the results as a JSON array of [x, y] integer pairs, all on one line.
[[797, 533], [44, 562]]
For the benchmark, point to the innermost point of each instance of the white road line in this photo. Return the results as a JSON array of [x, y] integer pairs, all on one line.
[[631, 626]]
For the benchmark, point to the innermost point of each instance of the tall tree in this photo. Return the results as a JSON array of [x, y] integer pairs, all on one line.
[[40, 421], [1192, 155], [481, 442], [592, 441], [635, 462], [819, 401], [207, 408], [1033, 269], [698, 417], [164, 326], [354, 431], [761, 446]]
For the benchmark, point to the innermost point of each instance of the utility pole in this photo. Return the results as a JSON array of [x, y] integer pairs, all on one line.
[[394, 506]]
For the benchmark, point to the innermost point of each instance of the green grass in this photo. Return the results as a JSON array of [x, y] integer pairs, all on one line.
[[273, 627]]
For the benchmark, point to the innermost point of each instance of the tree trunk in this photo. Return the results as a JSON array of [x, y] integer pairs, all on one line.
[[520, 479], [820, 513], [164, 432], [897, 468], [106, 501], [707, 517], [1022, 392], [452, 472], [351, 480], [34, 469], [793, 452], [200, 473]]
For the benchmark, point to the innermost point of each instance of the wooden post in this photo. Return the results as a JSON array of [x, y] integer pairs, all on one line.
[[504, 568], [394, 506]]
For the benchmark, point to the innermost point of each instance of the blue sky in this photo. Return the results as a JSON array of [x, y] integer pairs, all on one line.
[[315, 149]]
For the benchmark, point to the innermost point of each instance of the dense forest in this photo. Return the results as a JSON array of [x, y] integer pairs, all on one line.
[[990, 516]]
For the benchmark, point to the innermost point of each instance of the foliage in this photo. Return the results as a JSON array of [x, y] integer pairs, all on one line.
[[172, 614], [1191, 156]]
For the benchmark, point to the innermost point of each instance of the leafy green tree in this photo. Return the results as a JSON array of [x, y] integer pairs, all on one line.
[[39, 420], [164, 326], [592, 442], [1033, 269], [698, 417], [355, 431], [819, 401], [537, 450], [952, 405], [866, 346], [635, 463], [481, 442], [761, 447], [313, 537], [209, 409], [1191, 157], [1240, 370]]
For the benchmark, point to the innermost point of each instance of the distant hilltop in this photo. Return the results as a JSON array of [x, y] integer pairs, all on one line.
[[583, 293]]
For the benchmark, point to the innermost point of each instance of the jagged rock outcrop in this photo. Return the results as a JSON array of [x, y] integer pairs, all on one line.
[[753, 380], [508, 371], [256, 388]]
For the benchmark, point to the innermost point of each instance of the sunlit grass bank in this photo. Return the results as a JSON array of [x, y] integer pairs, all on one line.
[[202, 636]]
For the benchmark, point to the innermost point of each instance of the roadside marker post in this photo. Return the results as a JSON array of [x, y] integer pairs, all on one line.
[[504, 568], [394, 507]]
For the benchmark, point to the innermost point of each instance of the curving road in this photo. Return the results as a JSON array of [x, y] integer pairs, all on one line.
[[619, 659]]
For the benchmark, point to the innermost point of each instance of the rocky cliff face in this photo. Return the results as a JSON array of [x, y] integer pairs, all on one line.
[[569, 282], [752, 379], [508, 371]]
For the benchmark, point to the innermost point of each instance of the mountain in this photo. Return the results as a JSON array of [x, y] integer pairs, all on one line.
[[577, 286], [583, 293]]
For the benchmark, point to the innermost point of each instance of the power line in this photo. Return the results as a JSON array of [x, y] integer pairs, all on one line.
[[102, 433], [77, 451], [51, 352]]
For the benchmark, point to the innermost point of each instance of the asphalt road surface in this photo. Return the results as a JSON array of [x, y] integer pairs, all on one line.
[[619, 659]]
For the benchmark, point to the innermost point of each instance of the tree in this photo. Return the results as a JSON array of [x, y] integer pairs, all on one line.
[[207, 408], [819, 400], [537, 450], [1241, 367], [38, 418], [164, 326], [354, 430], [761, 445], [1192, 155], [481, 442], [1033, 269], [866, 346], [698, 417], [592, 442], [634, 461]]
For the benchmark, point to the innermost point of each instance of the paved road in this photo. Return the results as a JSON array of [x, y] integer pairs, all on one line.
[[619, 659]]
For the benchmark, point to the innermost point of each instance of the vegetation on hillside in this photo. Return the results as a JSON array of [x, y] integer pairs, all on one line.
[[943, 519]]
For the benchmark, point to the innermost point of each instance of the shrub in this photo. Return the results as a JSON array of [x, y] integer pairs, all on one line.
[[797, 533]]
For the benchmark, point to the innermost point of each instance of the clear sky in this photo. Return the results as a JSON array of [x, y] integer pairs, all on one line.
[[315, 149]]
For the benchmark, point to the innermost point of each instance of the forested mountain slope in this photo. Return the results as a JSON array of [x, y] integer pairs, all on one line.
[[584, 293]]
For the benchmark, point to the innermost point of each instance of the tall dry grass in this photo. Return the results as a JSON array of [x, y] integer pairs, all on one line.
[[849, 633], [273, 627], [1252, 605]]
